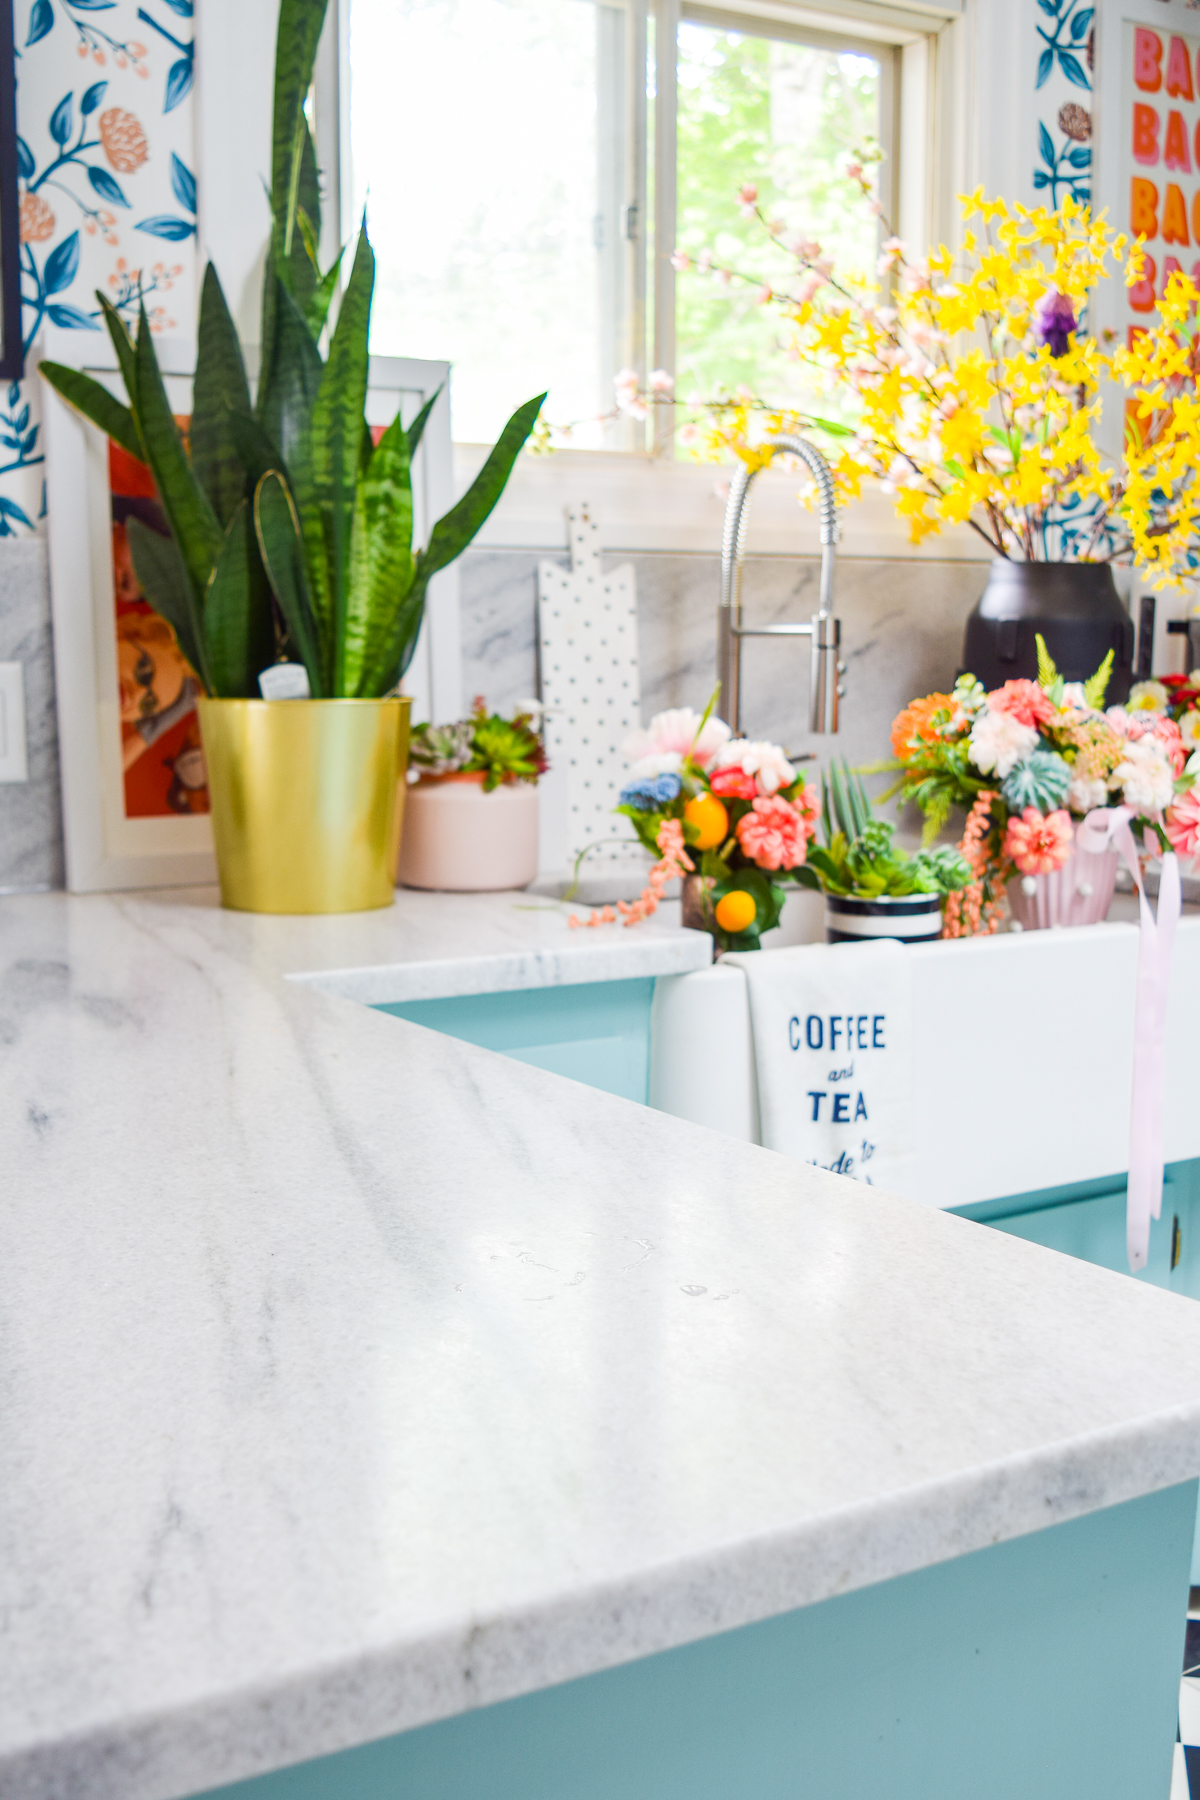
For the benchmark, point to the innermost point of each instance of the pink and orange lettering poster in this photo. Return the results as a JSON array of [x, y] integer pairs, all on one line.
[[1161, 160]]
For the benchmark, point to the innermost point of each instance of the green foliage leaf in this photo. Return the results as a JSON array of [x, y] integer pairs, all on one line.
[[239, 629], [185, 503], [122, 344], [327, 474], [278, 531], [97, 404], [290, 381], [1096, 686], [300, 23], [381, 563], [163, 579], [1047, 668], [416, 430], [317, 310], [451, 535], [220, 390]]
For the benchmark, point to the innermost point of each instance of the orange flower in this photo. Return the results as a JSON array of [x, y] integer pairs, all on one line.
[[37, 220], [916, 723], [124, 140]]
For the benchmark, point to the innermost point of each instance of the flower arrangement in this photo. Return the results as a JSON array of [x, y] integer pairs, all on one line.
[[1029, 758], [967, 383], [503, 750], [735, 812]]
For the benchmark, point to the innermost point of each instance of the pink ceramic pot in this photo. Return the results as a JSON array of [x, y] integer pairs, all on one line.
[[461, 840], [1079, 893]]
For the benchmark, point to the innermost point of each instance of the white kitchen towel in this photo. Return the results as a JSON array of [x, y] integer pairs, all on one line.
[[832, 1030]]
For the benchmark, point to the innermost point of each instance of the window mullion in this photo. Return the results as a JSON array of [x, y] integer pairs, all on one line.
[[666, 37]]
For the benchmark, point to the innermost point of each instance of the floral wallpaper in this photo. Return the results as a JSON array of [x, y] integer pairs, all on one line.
[[107, 191], [1065, 40]]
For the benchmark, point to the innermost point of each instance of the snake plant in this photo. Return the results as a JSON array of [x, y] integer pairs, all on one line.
[[290, 528]]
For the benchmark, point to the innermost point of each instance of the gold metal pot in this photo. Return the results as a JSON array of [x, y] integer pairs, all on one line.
[[307, 798]]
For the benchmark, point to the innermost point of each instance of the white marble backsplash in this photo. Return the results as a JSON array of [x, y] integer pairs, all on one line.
[[902, 626], [31, 849]]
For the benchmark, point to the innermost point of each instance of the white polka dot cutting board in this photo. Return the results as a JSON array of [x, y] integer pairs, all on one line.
[[588, 669]]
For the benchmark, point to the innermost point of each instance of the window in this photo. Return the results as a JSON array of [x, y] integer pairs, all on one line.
[[523, 224]]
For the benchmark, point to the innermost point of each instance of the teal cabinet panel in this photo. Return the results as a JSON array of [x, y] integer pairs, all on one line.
[[1088, 1221], [1046, 1668], [596, 1032]]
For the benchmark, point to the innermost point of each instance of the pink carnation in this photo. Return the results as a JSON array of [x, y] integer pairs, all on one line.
[[1183, 824], [774, 834], [1039, 845], [1169, 736], [1025, 700]]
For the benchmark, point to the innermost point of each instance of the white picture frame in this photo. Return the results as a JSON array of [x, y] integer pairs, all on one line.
[[105, 850]]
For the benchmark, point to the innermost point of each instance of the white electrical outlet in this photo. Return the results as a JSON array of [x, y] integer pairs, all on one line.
[[14, 765]]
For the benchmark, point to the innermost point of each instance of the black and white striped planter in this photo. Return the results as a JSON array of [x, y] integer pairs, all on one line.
[[914, 919]]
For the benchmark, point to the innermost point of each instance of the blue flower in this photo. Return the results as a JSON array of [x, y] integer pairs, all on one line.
[[651, 792]]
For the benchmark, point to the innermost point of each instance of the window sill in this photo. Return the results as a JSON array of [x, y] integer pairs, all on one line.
[[644, 504]]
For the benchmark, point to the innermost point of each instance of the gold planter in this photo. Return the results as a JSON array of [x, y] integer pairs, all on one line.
[[306, 801]]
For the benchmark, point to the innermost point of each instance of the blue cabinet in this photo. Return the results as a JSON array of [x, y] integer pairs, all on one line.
[[597, 1032], [1088, 1220]]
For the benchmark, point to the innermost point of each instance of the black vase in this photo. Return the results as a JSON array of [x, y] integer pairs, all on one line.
[[1075, 607]]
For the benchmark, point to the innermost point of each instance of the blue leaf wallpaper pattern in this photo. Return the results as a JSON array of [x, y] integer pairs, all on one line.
[[1062, 168], [107, 192]]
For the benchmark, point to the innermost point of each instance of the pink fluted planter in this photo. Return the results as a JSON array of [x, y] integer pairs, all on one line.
[[460, 840], [1080, 893]]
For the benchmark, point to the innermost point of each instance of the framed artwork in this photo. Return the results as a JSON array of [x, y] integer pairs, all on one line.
[[135, 804], [12, 359]]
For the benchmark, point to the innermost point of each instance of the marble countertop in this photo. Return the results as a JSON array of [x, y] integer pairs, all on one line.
[[354, 1376], [433, 946]]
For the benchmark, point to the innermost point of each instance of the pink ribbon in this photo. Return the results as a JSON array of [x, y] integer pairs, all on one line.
[[1108, 828]]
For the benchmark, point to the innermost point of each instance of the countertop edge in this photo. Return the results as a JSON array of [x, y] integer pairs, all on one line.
[[508, 971], [380, 1692]]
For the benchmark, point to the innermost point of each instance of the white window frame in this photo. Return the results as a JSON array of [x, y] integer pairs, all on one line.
[[956, 83]]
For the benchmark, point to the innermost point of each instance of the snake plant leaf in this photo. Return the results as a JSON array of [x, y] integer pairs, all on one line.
[[451, 535], [300, 23], [96, 403], [122, 344], [416, 430], [164, 580], [381, 560], [285, 409], [220, 389], [317, 310], [290, 381], [406, 629], [254, 446], [185, 503], [239, 628], [278, 531], [327, 475]]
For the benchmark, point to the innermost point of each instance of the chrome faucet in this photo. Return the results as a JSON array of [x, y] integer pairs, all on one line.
[[824, 630]]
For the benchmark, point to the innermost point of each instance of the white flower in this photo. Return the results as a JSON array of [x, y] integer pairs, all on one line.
[[765, 762], [1083, 795], [1148, 696], [675, 733], [1146, 776], [999, 742], [1073, 695], [667, 762], [1189, 727]]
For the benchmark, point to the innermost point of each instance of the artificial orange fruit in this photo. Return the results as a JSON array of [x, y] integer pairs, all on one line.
[[711, 820], [735, 911]]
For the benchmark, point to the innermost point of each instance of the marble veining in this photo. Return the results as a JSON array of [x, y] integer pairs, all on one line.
[[431, 946], [354, 1376], [31, 843]]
